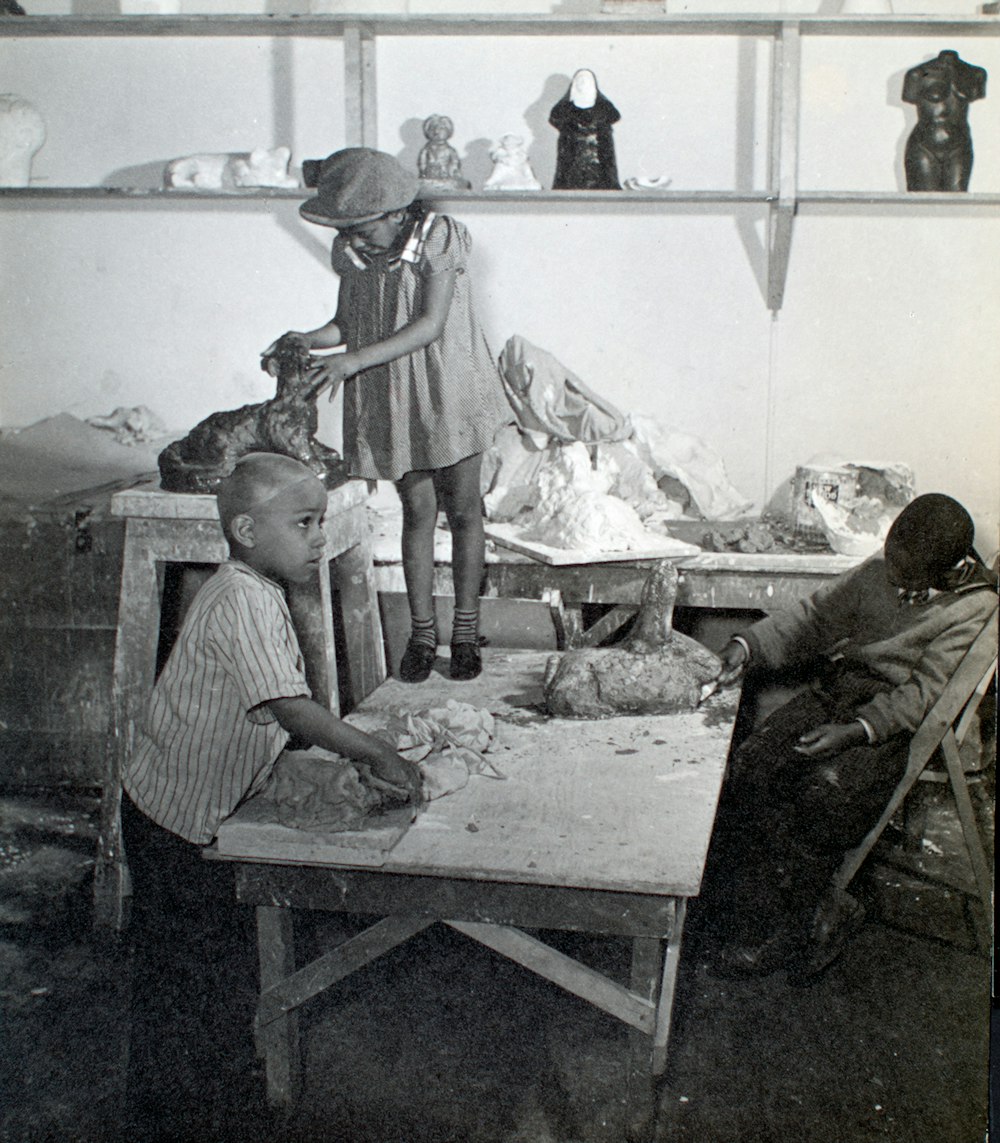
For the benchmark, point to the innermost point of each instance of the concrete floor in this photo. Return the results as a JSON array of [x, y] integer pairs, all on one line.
[[441, 1041]]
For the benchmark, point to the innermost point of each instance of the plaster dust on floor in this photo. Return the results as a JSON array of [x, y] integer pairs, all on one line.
[[441, 1041]]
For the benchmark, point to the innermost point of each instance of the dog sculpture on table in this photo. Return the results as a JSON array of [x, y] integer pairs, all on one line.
[[285, 424]]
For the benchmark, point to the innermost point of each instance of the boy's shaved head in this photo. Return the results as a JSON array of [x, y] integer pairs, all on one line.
[[257, 478]]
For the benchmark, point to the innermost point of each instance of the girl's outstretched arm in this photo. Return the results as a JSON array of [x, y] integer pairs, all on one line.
[[417, 334]]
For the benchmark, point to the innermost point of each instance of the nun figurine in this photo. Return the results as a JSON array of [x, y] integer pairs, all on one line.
[[585, 157]]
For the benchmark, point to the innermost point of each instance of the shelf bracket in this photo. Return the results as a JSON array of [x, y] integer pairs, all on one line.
[[787, 66], [359, 87]]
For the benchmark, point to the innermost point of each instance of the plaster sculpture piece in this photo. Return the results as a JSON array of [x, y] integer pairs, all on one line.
[[938, 153], [656, 670], [260, 167], [585, 156], [285, 424], [22, 133], [131, 425], [438, 163], [644, 182], [511, 168]]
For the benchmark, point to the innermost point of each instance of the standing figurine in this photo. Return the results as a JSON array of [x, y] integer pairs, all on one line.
[[585, 158], [438, 162], [511, 169], [22, 133], [939, 150]]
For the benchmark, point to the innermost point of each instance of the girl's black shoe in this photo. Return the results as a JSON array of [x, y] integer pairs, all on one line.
[[415, 665], [466, 661]]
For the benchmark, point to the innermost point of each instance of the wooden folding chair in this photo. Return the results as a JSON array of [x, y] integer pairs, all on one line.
[[940, 736]]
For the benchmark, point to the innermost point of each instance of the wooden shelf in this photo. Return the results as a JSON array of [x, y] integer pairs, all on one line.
[[360, 33], [548, 197], [648, 198], [600, 24]]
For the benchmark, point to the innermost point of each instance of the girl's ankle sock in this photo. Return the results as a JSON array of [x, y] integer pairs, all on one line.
[[465, 627], [423, 631]]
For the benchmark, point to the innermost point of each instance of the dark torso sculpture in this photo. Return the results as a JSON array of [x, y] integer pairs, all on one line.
[[285, 424], [939, 150]]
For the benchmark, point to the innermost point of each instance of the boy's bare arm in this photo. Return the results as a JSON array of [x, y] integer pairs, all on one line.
[[307, 720]]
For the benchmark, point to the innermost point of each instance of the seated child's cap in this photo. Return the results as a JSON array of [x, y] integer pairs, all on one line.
[[935, 532], [358, 185]]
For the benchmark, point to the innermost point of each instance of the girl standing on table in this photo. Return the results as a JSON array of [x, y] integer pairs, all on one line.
[[422, 394]]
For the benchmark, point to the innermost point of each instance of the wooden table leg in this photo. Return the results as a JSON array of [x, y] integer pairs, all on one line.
[[668, 986], [654, 977], [647, 957], [278, 1039]]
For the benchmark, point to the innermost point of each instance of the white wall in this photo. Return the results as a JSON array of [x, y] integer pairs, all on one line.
[[881, 351]]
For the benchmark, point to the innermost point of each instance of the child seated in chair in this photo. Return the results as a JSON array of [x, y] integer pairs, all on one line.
[[231, 694], [807, 785]]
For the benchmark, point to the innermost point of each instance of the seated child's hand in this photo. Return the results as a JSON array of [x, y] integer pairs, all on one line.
[[831, 738], [734, 659]]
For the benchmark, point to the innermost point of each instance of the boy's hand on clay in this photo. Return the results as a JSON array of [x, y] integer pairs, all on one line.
[[831, 738], [734, 660], [399, 777]]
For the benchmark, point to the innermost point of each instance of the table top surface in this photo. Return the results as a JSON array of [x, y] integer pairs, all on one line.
[[623, 804]]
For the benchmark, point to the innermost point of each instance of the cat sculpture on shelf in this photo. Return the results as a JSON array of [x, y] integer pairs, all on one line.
[[285, 424], [230, 171]]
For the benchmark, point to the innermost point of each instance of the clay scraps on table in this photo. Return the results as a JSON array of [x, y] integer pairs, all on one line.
[[449, 743]]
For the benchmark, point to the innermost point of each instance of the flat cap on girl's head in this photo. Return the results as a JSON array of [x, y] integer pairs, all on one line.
[[358, 185], [929, 537]]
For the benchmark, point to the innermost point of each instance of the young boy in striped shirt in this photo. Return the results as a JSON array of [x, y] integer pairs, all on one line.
[[230, 696]]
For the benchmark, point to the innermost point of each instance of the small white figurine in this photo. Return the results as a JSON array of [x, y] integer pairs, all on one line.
[[511, 169], [224, 171], [22, 133]]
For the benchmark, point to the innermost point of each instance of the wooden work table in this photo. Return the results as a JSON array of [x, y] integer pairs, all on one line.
[[764, 581], [597, 826]]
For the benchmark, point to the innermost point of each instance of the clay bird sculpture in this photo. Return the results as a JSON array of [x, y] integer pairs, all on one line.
[[655, 670]]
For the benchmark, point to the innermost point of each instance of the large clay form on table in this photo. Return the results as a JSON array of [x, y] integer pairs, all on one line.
[[285, 424], [655, 670]]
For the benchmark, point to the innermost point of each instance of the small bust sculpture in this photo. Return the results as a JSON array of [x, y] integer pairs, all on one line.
[[938, 153], [438, 162], [22, 133], [585, 156], [511, 169]]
